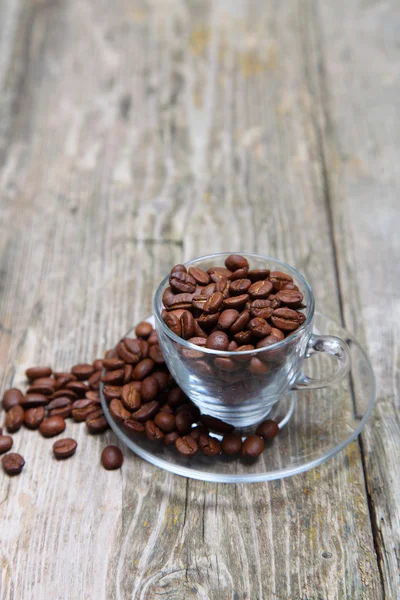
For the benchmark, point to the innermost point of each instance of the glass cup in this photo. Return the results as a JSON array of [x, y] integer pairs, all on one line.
[[243, 389]]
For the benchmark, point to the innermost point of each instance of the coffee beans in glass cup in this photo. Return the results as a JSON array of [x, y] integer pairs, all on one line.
[[256, 317]]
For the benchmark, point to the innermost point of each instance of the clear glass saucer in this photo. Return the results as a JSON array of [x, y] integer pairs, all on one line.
[[315, 425]]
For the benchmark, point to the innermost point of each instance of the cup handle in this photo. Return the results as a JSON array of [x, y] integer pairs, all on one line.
[[335, 347]]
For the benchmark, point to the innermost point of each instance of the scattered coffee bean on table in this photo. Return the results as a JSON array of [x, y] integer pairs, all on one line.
[[6, 443], [13, 463], [112, 458], [64, 448]]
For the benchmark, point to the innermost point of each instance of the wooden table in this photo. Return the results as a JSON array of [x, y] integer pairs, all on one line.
[[135, 135]]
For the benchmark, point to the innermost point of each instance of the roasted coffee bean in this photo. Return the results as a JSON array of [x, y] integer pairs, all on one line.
[[198, 331], [64, 412], [208, 320], [226, 364], [129, 351], [13, 463], [239, 274], [199, 301], [162, 380], [187, 325], [236, 302], [253, 446], [143, 369], [170, 438], [96, 423], [98, 364], [14, 418], [12, 397], [213, 303], [165, 421], [186, 445], [287, 319], [290, 298], [268, 341], [232, 346], [209, 289], [113, 377], [118, 411], [222, 286], [112, 364], [155, 353], [182, 283], [173, 322], [153, 432], [240, 349], [112, 391], [275, 302], [62, 379], [216, 273], [147, 411], [231, 444], [227, 318], [52, 426], [36, 372], [218, 340], [82, 409], [243, 337], [46, 381], [209, 445], [60, 402], [197, 431], [78, 387], [130, 397], [112, 458], [192, 408], [153, 338], [134, 426], [64, 393], [143, 329], [94, 380], [261, 308], [183, 301], [109, 353], [93, 396], [260, 289], [179, 268], [176, 397], [268, 429], [183, 421], [128, 372], [64, 448], [240, 323], [258, 274], [259, 327], [216, 424], [279, 280], [257, 367], [82, 371], [6, 443], [236, 261], [45, 390], [239, 286], [34, 416], [149, 388], [200, 276]]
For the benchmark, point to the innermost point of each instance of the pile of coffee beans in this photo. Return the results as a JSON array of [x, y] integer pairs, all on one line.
[[232, 308], [142, 397]]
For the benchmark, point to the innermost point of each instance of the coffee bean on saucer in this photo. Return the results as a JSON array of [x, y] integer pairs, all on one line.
[[253, 446], [268, 429], [64, 448], [11, 398], [209, 445], [153, 432], [112, 458], [96, 423], [147, 411], [36, 372], [183, 422], [165, 421], [13, 463], [186, 445], [34, 416], [231, 444], [118, 411], [52, 426], [155, 353], [112, 391], [113, 377], [143, 329], [143, 369], [6, 443], [82, 409], [216, 424], [130, 397], [170, 438], [133, 426], [14, 418]]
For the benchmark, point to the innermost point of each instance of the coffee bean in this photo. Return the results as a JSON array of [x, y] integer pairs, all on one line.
[[227, 318], [275, 336], [78, 387], [232, 346], [113, 377], [261, 308], [147, 411], [257, 367], [112, 458], [64, 448], [226, 364], [64, 412], [118, 411], [216, 273], [183, 422], [98, 364], [239, 274], [236, 261], [143, 329], [52, 426], [36, 372], [290, 298], [208, 320], [198, 331], [130, 397], [60, 402], [96, 423], [129, 351], [153, 432], [231, 444], [64, 393], [176, 397], [183, 301], [258, 274], [34, 416], [112, 391], [187, 325], [213, 303], [6, 443], [218, 340], [181, 282], [287, 319], [128, 372], [170, 438], [14, 418], [165, 421], [82, 371], [253, 446], [268, 429], [94, 380], [239, 286], [179, 268], [216, 424], [245, 348], [259, 327], [275, 302], [44, 389], [236, 302], [112, 364], [199, 275], [279, 280], [240, 323], [13, 463], [46, 381], [149, 388], [173, 322], [62, 379], [186, 445], [93, 396], [156, 354], [143, 369], [11, 398], [209, 445], [133, 426], [260, 289], [162, 380], [81, 409], [243, 337]]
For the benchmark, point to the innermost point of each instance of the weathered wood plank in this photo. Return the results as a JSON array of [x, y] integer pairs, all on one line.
[[144, 135]]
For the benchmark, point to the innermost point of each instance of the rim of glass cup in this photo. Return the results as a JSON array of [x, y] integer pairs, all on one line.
[[157, 302]]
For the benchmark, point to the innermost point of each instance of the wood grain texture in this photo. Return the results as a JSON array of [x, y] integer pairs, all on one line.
[[134, 136]]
